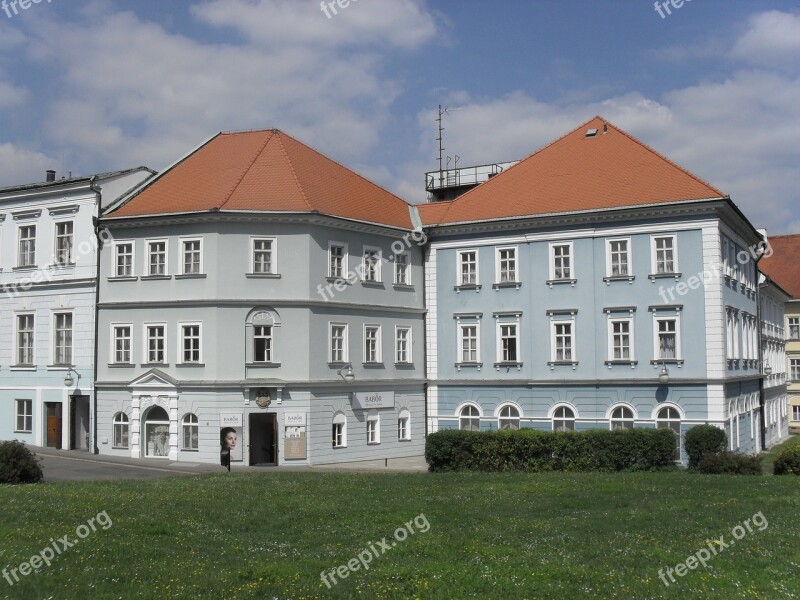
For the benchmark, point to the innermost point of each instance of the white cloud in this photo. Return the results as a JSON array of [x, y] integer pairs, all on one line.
[[772, 37], [21, 166]]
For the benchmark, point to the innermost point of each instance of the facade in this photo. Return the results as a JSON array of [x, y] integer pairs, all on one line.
[[48, 272], [261, 291], [773, 349], [593, 284]]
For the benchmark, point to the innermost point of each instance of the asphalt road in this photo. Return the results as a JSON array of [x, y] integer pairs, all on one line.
[[71, 468]]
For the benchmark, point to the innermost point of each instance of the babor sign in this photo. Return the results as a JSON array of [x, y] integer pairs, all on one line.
[[294, 419], [367, 400], [230, 420]]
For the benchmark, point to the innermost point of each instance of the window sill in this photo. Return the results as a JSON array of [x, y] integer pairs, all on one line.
[[23, 431], [339, 447], [610, 278], [373, 365], [373, 284], [152, 365], [373, 443], [404, 365], [121, 365], [403, 286], [190, 364], [338, 364], [24, 268], [156, 277], [552, 282], [562, 363], [189, 450], [191, 276], [68, 265], [120, 448], [59, 367], [123, 278], [404, 440], [22, 368], [263, 365], [668, 361], [467, 365], [332, 279], [262, 275], [630, 363], [506, 284], [467, 287], [508, 365], [654, 276]]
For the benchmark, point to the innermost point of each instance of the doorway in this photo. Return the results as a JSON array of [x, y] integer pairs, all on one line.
[[54, 424], [156, 433], [263, 439], [79, 418]]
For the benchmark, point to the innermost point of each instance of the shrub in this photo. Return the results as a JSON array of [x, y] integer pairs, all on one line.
[[18, 464], [788, 461], [702, 439], [536, 451], [731, 463]]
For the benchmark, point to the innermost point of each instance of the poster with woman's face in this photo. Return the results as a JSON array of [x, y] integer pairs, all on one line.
[[231, 441]]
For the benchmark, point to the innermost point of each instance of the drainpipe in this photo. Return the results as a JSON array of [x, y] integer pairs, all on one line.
[[761, 407], [93, 405]]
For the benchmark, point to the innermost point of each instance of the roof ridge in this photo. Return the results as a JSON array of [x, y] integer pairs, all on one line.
[[294, 173], [247, 170]]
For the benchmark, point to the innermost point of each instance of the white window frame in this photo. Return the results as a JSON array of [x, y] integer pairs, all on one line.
[[378, 343], [345, 342], [789, 326], [678, 345], [624, 420], [56, 237], [54, 337], [17, 346], [117, 421], [408, 342], [113, 346], [148, 255], [181, 340], [552, 261], [27, 417], [498, 265], [460, 347], [654, 254], [499, 337], [401, 267], [553, 334], [20, 227], [273, 254], [404, 428], [460, 262], [271, 338], [501, 419], [339, 419], [378, 263], [188, 423], [628, 255], [470, 417], [146, 346], [201, 267], [373, 429], [631, 338], [115, 256], [345, 256], [553, 417], [794, 369]]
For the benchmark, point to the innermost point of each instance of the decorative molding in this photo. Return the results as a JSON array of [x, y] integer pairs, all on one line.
[[60, 211], [26, 215]]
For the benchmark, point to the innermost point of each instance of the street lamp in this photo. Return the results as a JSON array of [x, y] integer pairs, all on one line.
[[68, 380], [663, 376], [349, 377], [767, 368]]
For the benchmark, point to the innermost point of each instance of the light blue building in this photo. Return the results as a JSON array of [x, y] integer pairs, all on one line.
[[593, 284]]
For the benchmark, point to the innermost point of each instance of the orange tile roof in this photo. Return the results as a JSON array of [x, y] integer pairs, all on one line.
[[265, 171], [784, 265], [578, 173]]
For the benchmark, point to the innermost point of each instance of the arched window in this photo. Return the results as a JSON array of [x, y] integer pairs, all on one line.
[[469, 419], [121, 430], [669, 417], [404, 425], [622, 418], [564, 419], [508, 417], [339, 438], [190, 432]]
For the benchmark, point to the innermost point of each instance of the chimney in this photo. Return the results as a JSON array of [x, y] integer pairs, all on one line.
[[51, 175]]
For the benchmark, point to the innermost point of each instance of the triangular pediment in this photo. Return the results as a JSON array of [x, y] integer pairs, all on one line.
[[154, 378]]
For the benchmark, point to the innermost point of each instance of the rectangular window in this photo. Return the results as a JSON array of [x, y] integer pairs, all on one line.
[[621, 339], [561, 261], [401, 269], [338, 343], [403, 432], [156, 344], [192, 257], [469, 343], [794, 369], [372, 264], [64, 243], [62, 338], [25, 339], [372, 344], [157, 258], [508, 343], [794, 328], [507, 265], [27, 246], [24, 416], [664, 254], [262, 343], [468, 267], [122, 344], [123, 259], [190, 336], [667, 339], [338, 435], [373, 430], [796, 413], [263, 256], [402, 345], [618, 258], [563, 341], [337, 260]]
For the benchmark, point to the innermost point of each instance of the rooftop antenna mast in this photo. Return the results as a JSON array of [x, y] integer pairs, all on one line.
[[442, 112]]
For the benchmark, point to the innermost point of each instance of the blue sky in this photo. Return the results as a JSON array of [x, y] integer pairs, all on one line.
[[107, 84]]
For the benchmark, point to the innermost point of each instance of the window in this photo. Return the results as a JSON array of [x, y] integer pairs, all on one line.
[[667, 347], [190, 336], [508, 417], [62, 341], [469, 343], [664, 255], [338, 343], [794, 369], [190, 432], [794, 328], [263, 256], [64, 243], [157, 258], [25, 339], [192, 257], [404, 425], [372, 264], [373, 429], [669, 417], [618, 258], [621, 340], [156, 344], [337, 260], [561, 261], [123, 259], [262, 343], [796, 413], [121, 431], [401, 269], [469, 419], [468, 267], [24, 416], [339, 431], [506, 265], [622, 418], [27, 246], [563, 342], [372, 344], [564, 419], [402, 345], [122, 344], [508, 342]]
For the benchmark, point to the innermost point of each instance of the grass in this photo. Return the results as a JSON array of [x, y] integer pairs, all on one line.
[[768, 457], [269, 535]]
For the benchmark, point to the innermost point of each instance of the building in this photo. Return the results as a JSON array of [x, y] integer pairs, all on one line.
[[773, 352], [259, 289], [783, 265], [593, 284], [48, 272]]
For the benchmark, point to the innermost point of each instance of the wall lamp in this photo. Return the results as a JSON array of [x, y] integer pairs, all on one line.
[[349, 377], [663, 376], [767, 368], [68, 380]]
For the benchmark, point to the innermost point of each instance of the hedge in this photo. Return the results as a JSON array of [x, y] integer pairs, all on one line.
[[788, 461], [701, 440], [731, 463], [18, 464], [537, 451]]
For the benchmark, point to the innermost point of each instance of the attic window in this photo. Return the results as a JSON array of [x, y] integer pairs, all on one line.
[[591, 133]]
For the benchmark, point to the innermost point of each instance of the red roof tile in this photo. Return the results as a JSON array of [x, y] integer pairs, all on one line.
[[265, 171], [611, 169], [783, 266]]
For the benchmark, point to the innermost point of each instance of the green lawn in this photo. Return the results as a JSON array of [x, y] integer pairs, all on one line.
[[269, 535]]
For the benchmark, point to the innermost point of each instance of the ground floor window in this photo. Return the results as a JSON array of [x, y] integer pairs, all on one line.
[[121, 430], [190, 432], [509, 417], [622, 418], [373, 430], [404, 425], [24, 416], [564, 419], [796, 413], [339, 431], [469, 419], [669, 417]]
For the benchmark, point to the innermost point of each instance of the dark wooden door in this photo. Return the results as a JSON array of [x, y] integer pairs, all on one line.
[[53, 425]]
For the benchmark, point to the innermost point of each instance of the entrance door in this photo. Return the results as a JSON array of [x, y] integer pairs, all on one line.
[[156, 433], [263, 439], [53, 412], [79, 418]]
